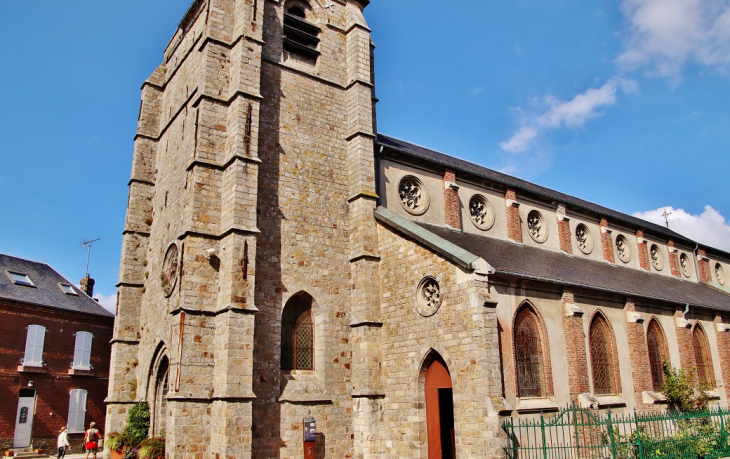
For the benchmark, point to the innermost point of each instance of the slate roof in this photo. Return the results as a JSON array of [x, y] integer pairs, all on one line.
[[46, 292], [519, 184], [522, 261]]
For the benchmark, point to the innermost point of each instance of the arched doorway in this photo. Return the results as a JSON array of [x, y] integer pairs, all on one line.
[[439, 412]]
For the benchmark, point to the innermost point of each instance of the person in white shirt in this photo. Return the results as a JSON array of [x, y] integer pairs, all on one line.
[[63, 443]]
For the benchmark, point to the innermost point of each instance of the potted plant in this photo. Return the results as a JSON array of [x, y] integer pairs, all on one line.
[[38, 450], [9, 453], [115, 443]]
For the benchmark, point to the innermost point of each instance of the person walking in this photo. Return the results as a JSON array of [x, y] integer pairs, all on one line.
[[62, 443], [91, 439]]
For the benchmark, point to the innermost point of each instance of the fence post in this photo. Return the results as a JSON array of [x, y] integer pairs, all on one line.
[[542, 428], [723, 433], [610, 434], [577, 435], [638, 435]]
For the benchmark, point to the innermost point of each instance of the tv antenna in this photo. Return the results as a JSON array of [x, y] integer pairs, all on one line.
[[87, 245], [666, 217]]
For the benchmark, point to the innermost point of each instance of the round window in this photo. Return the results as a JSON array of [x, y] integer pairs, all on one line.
[[169, 270], [412, 194], [656, 257], [622, 248], [720, 274], [685, 265], [583, 239], [536, 226], [481, 212], [429, 296]]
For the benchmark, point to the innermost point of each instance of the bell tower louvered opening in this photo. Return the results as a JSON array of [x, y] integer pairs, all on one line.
[[300, 36]]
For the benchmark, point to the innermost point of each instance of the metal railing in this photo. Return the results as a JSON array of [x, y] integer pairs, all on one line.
[[577, 433]]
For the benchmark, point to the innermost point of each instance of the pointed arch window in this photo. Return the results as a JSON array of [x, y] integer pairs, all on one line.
[[657, 346], [297, 335], [603, 360], [703, 357], [529, 359]]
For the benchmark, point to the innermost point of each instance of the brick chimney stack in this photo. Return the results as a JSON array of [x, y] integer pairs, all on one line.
[[87, 285]]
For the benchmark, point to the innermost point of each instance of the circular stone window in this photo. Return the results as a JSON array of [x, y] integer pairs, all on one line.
[[412, 194], [583, 239], [656, 257], [622, 248], [685, 265], [169, 270], [429, 296], [481, 212], [720, 274], [536, 226]]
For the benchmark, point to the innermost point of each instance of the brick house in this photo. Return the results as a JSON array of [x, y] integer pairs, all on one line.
[[281, 260], [54, 355]]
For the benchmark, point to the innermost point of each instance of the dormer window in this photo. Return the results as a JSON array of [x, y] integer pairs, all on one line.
[[20, 279], [67, 289], [301, 37]]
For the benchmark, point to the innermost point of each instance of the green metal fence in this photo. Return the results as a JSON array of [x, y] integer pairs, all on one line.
[[577, 433]]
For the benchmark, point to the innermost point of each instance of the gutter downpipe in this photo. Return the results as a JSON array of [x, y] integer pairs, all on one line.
[[377, 175], [697, 266]]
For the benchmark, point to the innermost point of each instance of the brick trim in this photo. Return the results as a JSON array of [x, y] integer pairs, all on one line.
[[643, 251], [514, 224], [575, 350], [673, 259], [452, 205], [703, 266], [566, 244], [723, 350], [606, 241], [638, 356], [686, 350], [615, 368], [527, 307]]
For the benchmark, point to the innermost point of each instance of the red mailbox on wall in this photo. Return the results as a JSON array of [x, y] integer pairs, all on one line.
[[310, 437]]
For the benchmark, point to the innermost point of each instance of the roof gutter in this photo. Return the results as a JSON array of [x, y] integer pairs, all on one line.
[[592, 287]]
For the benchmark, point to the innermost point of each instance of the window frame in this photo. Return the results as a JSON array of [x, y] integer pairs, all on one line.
[[34, 343], [303, 317], [657, 350], [74, 408], [82, 351], [705, 368], [609, 361]]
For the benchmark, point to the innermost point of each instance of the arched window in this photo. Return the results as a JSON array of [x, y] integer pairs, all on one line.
[[657, 345], [603, 361], [159, 409], [529, 362], [297, 335], [301, 37], [703, 357]]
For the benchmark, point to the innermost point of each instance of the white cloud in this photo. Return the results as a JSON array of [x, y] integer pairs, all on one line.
[[666, 35], [107, 302], [709, 228], [573, 113]]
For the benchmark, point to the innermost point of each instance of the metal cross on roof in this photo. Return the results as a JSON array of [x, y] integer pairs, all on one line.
[[666, 217]]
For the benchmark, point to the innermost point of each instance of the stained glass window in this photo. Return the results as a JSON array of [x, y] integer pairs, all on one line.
[[656, 344], [602, 358], [703, 358], [297, 336], [528, 356]]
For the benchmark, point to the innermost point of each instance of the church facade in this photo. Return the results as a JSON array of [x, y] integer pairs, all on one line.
[[282, 261]]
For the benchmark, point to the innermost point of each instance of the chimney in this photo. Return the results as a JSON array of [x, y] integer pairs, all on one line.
[[87, 285]]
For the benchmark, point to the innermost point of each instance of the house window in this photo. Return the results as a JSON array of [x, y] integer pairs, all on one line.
[[67, 289], [602, 358], [656, 344], [301, 37], [34, 346], [77, 411], [297, 335], [529, 355], [82, 351], [703, 358]]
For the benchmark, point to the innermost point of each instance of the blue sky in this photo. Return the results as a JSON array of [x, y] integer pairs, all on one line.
[[622, 102]]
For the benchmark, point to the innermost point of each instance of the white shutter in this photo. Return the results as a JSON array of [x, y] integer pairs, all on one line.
[[34, 346], [82, 351], [77, 411]]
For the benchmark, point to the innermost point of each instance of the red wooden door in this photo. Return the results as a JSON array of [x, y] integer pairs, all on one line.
[[437, 377]]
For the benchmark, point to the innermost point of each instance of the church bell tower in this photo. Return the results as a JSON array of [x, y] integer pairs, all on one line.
[[249, 219]]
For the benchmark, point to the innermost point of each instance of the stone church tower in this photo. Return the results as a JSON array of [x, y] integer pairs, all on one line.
[[252, 192]]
